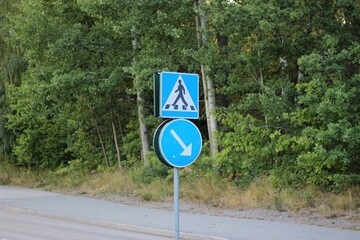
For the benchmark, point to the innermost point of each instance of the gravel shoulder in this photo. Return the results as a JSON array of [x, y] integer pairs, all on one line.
[[349, 220]]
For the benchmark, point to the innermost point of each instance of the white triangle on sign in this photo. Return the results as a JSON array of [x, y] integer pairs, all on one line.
[[179, 98]]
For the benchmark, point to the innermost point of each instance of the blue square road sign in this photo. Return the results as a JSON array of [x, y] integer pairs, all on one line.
[[179, 95]]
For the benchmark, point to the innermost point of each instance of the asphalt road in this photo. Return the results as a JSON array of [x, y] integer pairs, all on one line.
[[20, 226], [77, 215]]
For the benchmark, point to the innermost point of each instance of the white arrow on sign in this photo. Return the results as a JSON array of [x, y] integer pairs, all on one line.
[[187, 149]]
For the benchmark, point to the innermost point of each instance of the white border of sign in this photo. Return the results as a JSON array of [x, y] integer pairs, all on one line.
[[193, 91]]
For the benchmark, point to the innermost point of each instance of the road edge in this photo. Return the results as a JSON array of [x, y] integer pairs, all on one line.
[[116, 226]]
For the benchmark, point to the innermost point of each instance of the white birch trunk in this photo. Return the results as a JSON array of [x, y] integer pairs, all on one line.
[[209, 89], [115, 140], [144, 133], [102, 146], [199, 38], [263, 90]]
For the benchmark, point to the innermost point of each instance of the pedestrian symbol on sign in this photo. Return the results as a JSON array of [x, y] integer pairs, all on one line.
[[180, 92], [176, 95]]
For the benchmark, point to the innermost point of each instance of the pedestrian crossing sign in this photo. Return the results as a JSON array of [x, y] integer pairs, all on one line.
[[179, 95]]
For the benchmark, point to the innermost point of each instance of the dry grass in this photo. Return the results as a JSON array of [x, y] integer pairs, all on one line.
[[116, 182], [261, 194], [209, 190], [331, 205], [109, 182], [158, 190], [212, 191], [11, 175]]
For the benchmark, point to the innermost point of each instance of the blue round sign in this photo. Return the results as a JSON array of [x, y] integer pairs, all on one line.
[[179, 142]]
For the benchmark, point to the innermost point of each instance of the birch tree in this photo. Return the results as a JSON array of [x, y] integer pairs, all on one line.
[[208, 83], [144, 132]]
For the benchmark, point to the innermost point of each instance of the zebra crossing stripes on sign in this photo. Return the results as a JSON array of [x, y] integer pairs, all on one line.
[[179, 98], [179, 95]]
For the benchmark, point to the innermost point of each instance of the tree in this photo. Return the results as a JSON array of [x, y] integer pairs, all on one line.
[[280, 48], [82, 67], [280, 83], [72, 78], [208, 83], [11, 66], [157, 42]]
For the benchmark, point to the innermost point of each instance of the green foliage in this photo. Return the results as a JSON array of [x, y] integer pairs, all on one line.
[[75, 166], [69, 175], [328, 116], [286, 77], [148, 174], [304, 108], [11, 67], [246, 147]]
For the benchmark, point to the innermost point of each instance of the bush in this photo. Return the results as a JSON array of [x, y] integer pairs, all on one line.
[[246, 148], [147, 174]]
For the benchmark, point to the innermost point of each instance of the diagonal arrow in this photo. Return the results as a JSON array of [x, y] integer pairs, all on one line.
[[187, 149]]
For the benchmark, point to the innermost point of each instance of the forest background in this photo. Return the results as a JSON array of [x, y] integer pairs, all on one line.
[[280, 87]]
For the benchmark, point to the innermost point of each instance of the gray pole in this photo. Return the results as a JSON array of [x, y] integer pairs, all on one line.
[[176, 203]]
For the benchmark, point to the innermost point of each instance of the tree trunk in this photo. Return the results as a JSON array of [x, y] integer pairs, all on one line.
[[264, 94], [115, 139], [199, 38], [102, 146], [144, 133], [263, 90], [209, 89]]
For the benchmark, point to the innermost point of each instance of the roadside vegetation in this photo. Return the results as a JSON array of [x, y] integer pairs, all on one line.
[[211, 190], [279, 98]]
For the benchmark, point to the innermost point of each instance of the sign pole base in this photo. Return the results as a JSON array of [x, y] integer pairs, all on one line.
[[176, 203]]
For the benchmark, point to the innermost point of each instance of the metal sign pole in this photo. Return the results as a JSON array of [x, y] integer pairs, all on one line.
[[176, 203], [177, 143]]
